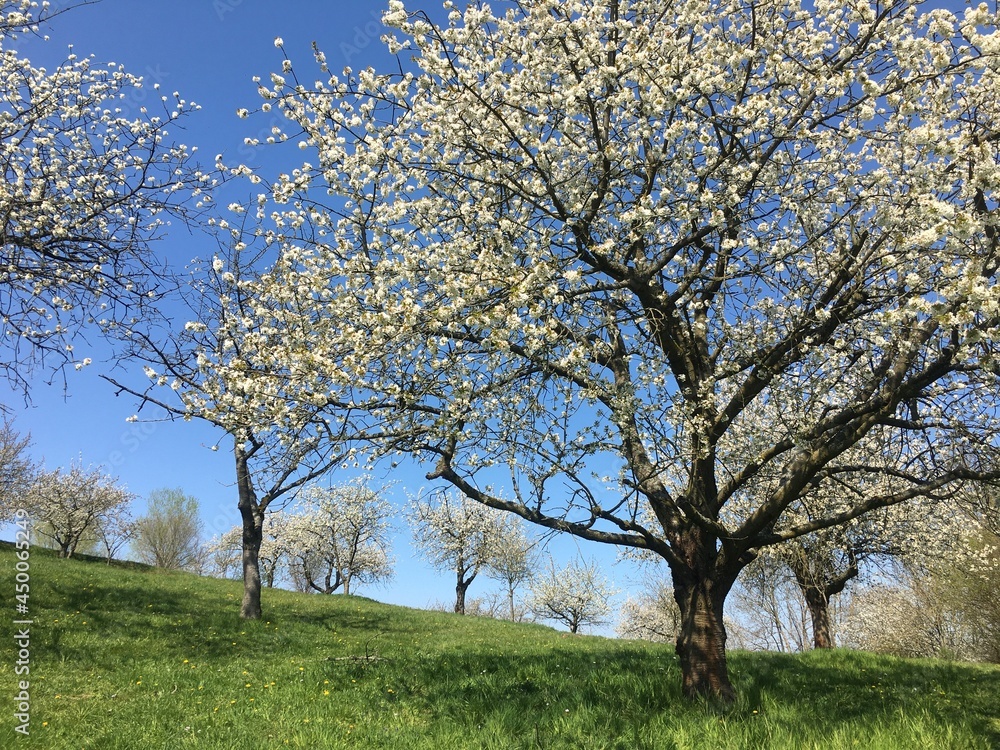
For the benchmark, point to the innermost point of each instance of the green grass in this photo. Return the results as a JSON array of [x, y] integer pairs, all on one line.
[[123, 657]]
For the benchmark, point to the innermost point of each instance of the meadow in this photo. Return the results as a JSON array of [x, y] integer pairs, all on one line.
[[126, 657]]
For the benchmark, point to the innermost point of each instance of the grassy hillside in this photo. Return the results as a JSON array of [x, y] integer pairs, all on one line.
[[123, 657]]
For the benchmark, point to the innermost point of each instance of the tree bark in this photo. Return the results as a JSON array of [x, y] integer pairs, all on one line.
[[701, 583], [818, 590], [819, 611], [701, 642], [253, 534], [461, 586]]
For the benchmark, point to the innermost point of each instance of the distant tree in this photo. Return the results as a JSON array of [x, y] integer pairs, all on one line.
[[17, 469], [577, 595], [115, 530], [909, 618], [338, 537], [974, 587], [87, 187], [168, 536], [948, 609], [68, 506], [769, 612], [652, 616], [513, 561], [454, 533]]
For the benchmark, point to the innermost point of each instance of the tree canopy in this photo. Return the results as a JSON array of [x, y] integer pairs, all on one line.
[[601, 246]]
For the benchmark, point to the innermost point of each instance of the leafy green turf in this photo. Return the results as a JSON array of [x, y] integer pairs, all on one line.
[[123, 657]]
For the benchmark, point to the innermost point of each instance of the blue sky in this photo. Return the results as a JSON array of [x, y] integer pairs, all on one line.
[[209, 50]]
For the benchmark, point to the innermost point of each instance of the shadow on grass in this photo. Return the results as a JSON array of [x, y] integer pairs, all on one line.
[[845, 687], [621, 693]]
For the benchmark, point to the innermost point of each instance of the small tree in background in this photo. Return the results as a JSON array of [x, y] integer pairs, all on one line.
[[769, 611], [168, 535], [454, 533], [116, 529], [947, 610], [67, 507], [576, 595], [513, 561], [339, 536], [17, 470], [652, 616]]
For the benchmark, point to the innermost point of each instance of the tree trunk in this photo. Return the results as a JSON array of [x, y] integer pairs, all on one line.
[[253, 534], [819, 611], [818, 588], [701, 642], [702, 581], [461, 586]]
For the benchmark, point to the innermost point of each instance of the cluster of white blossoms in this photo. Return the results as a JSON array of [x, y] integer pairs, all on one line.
[[89, 177]]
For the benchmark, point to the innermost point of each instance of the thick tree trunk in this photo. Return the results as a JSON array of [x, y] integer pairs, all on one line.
[[819, 611], [701, 642], [253, 534], [702, 580]]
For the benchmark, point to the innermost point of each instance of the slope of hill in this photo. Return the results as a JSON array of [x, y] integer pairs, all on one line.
[[126, 657]]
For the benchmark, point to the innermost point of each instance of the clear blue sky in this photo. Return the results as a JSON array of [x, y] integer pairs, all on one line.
[[209, 50]]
